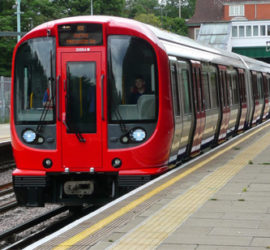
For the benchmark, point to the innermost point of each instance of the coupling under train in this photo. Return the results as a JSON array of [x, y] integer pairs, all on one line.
[[100, 103]]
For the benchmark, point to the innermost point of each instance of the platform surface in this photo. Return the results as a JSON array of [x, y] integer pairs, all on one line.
[[4, 132], [218, 201]]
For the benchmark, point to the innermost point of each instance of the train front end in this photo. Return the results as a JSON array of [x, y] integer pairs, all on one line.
[[81, 127]]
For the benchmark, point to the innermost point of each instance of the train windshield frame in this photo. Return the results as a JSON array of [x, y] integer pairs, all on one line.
[[132, 80], [34, 80]]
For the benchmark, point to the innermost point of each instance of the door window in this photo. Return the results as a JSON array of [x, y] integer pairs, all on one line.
[[81, 97]]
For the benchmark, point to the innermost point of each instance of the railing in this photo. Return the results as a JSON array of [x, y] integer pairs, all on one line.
[[5, 85]]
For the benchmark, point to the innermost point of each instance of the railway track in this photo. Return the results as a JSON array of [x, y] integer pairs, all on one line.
[[14, 241], [5, 190]]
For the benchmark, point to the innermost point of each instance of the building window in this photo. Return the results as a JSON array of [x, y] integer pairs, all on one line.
[[196, 33], [234, 31], [255, 30], [262, 30], [248, 30], [241, 31], [268, 30], [236, 10]]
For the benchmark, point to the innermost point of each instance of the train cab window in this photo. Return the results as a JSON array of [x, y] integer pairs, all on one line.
[[35, 81], [129, 59], [185, 80], [175, 92]]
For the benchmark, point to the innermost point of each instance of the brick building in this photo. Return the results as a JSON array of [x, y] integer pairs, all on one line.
[[242, 26]]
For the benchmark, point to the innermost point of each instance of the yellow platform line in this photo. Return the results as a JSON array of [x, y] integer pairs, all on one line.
[[102, 223], [158, 227]]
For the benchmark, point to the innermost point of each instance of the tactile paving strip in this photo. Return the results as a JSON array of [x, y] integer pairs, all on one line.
[[150, 233]]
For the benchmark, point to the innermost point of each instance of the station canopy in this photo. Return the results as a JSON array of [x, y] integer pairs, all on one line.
[[216, 35]]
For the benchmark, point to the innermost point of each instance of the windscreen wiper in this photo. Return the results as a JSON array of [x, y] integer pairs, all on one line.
[[80, 137], [122, 124], [49, 104]]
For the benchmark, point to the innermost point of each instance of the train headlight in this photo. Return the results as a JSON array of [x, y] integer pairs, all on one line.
[[29, 135], [47, 163], [116, 163], [137, 135]]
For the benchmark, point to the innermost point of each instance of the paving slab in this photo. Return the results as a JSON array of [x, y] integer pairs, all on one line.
[[223, 205]]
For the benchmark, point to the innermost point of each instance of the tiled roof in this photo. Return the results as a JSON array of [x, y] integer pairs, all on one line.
[[244, 1], [212, 10], [207, 11]]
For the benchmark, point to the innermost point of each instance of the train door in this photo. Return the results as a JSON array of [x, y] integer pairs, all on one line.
[[225, 107], [178, 123], [184, 78], [266, 107], [243, 99], [199, 108], [261, 93], [255, 109], [81, 109]]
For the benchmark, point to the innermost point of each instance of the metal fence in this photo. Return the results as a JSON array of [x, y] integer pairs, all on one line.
[[5, 85]]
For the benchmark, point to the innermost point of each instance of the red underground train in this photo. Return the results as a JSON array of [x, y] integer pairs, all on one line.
[[102, 102]]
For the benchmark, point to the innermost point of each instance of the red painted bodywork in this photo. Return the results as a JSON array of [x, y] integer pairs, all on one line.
[[150, 157]]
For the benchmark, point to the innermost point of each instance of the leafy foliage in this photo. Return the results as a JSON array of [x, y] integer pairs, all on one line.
[[35, 12]]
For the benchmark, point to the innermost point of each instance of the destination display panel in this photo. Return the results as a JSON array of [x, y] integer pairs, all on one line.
[[80, 35]]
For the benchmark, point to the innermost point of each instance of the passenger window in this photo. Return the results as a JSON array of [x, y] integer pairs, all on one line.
[[235, 92], [196, 91], [175, 91], [225, 96], [230, 98], [201, 90], [243, 87], [185, 79], [213, 85], [260, 90], [268, 82], [206, 90]]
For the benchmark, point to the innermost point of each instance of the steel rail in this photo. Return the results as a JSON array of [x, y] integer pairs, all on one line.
[[33, 237], [27, 225], [9, 205]]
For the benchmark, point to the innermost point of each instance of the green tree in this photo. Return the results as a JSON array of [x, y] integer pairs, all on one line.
[[36, 12], [109, 7], [137, 7], [176, 25], [82, 7], [171, 9], [8, 22], [149, 19]]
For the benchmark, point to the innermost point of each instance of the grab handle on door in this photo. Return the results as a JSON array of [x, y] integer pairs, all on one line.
[[102, 104], [58, 98]]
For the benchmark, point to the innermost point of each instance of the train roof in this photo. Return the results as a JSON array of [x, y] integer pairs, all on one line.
[[197, 51], [175, 45]]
